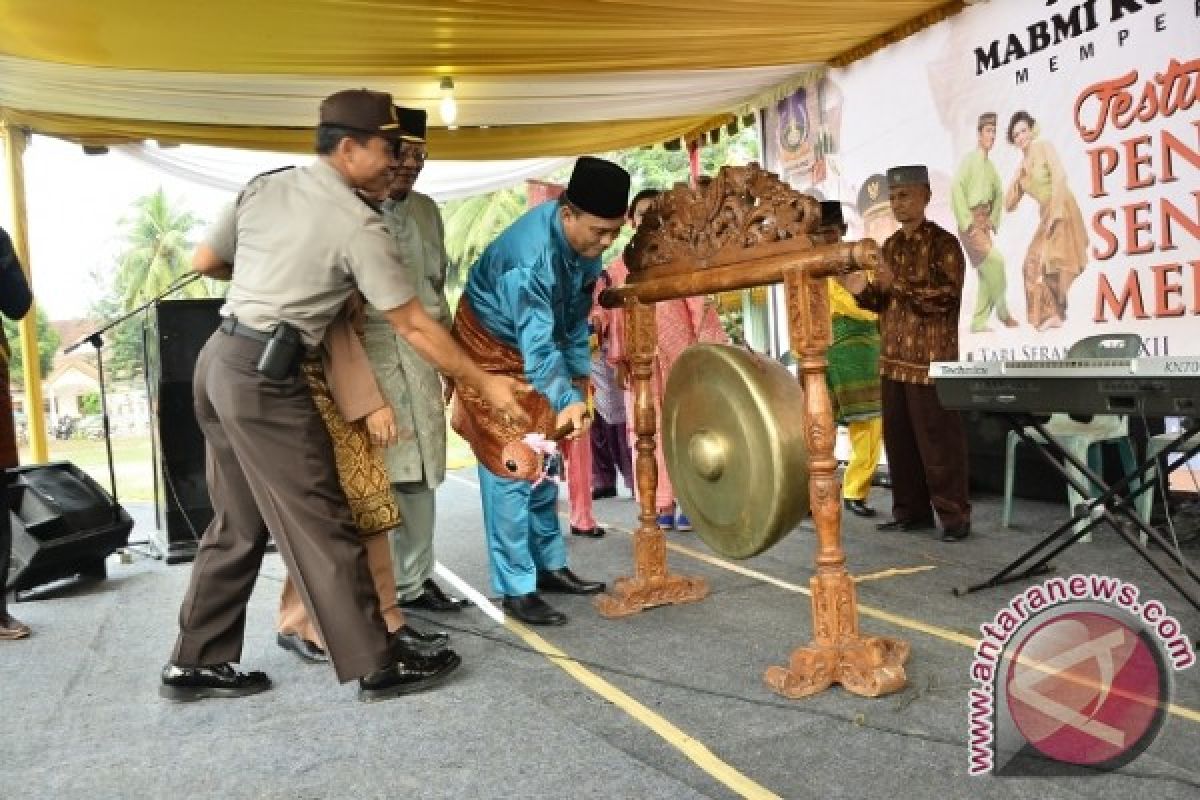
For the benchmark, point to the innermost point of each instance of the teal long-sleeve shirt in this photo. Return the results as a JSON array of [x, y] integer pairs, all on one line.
[[976, 182], [532, 291]]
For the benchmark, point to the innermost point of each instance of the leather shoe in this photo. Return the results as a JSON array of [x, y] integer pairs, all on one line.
[[413, 639], [533, 610], [432, 598], [591, 533], [957, 533], [858, 508], [184, 684], [563, 581], [309, 651], [600, 494], [411, 672], [906, 525], [12, 628]]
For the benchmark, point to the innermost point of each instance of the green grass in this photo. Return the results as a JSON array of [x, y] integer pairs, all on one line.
[[135, 469], [131, 461]]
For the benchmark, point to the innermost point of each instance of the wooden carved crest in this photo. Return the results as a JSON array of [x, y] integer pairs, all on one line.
[[742, 213]]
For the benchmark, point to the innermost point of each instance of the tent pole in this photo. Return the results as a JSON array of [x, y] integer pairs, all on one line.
[[693, 151], [15, 140]]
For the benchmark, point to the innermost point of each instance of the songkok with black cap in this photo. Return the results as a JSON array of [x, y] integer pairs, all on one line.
[[831, 214], [412, 123], [985, 119], [361, 110], [908, 175], [599, 187]]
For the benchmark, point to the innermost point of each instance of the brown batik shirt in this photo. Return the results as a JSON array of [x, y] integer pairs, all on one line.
[[918, 315]]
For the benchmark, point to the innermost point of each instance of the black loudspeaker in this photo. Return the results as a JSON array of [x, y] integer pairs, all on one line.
[[63, 525], [175, 333]]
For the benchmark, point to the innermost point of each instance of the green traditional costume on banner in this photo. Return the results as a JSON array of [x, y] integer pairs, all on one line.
[[977, 199]]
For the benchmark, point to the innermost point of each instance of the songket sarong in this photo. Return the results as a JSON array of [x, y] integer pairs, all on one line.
[[364, 479], [474, 419], [853, 373]]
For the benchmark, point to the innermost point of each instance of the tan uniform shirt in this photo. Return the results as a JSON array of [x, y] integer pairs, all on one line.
[[303, 240]]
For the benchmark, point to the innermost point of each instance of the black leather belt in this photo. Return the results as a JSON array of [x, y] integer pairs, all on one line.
[[231, 326]]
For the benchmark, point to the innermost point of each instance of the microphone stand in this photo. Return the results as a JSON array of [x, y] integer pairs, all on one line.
[[96, 340]]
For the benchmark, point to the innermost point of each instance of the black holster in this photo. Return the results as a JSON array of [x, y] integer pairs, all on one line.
[[281, 356]]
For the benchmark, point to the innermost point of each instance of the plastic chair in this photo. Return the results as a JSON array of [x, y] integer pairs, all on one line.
[[1083, 439], [1159, 444]]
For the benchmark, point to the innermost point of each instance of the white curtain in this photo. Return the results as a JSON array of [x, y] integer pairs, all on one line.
[[229, 170], [290, 100]]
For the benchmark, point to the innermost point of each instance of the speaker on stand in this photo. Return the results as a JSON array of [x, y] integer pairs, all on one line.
[[175, 332], [63, 525]]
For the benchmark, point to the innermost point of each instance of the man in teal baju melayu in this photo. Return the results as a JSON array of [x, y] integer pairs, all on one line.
[[524, 313], [977, 199]]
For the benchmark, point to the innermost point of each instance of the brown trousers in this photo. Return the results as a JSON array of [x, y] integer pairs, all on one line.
[[294, 618], [364, 479], [926, 453], [270, 465]]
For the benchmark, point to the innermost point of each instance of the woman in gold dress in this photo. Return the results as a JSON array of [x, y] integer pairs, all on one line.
[[1058, 252]]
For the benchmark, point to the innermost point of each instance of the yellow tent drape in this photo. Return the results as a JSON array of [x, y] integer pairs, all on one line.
[[458, 37], [516, 141]]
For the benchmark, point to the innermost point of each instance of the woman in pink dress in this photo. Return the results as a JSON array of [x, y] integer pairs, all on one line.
[[680, 324]]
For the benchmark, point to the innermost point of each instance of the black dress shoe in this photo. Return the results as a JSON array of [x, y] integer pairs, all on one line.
[[957, 533], [309, 651], [184, 684], [563, 581], [410, 673], [600, 494], [905, 525], [533, 610], [414, 639], [858, 508], [590, 533], [432, 598]]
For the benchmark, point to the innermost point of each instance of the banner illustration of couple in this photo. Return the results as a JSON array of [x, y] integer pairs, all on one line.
[[1063, 146]]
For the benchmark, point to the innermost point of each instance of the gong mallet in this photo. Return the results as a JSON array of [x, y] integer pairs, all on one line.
[[520, 457]]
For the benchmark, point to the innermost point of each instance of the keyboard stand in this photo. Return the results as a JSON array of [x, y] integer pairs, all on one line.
[[1110, 504]]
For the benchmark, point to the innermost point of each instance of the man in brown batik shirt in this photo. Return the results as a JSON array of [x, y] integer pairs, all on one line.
[[917, 293]]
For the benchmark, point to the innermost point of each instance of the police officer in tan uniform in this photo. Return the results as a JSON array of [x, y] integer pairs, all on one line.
[[295, 244]]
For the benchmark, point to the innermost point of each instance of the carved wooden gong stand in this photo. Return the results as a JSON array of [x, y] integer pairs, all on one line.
[[742, 229]]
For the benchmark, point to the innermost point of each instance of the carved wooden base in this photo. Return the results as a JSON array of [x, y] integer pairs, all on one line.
[[630, 595], [870, 666]]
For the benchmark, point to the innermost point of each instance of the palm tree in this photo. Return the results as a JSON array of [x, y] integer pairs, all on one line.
[[473, 222], [158, 251]]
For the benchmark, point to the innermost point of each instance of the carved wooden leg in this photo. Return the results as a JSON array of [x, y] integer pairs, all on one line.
[[651, 584], [866, 665]]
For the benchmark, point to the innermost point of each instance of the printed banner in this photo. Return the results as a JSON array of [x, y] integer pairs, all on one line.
[[1063, 145]]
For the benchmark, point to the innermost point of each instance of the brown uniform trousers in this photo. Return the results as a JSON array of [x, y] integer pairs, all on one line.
[[270, 466], [927, 455]]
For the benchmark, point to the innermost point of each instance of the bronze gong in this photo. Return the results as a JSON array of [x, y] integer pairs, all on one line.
[[733, 440]]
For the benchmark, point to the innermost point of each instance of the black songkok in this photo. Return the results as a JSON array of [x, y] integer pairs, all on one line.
[[599, 187]]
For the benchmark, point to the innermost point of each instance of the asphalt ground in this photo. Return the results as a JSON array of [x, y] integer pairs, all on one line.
[[669, 703]]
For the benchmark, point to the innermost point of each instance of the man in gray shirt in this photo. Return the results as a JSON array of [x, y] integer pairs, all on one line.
[[295, 244]]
